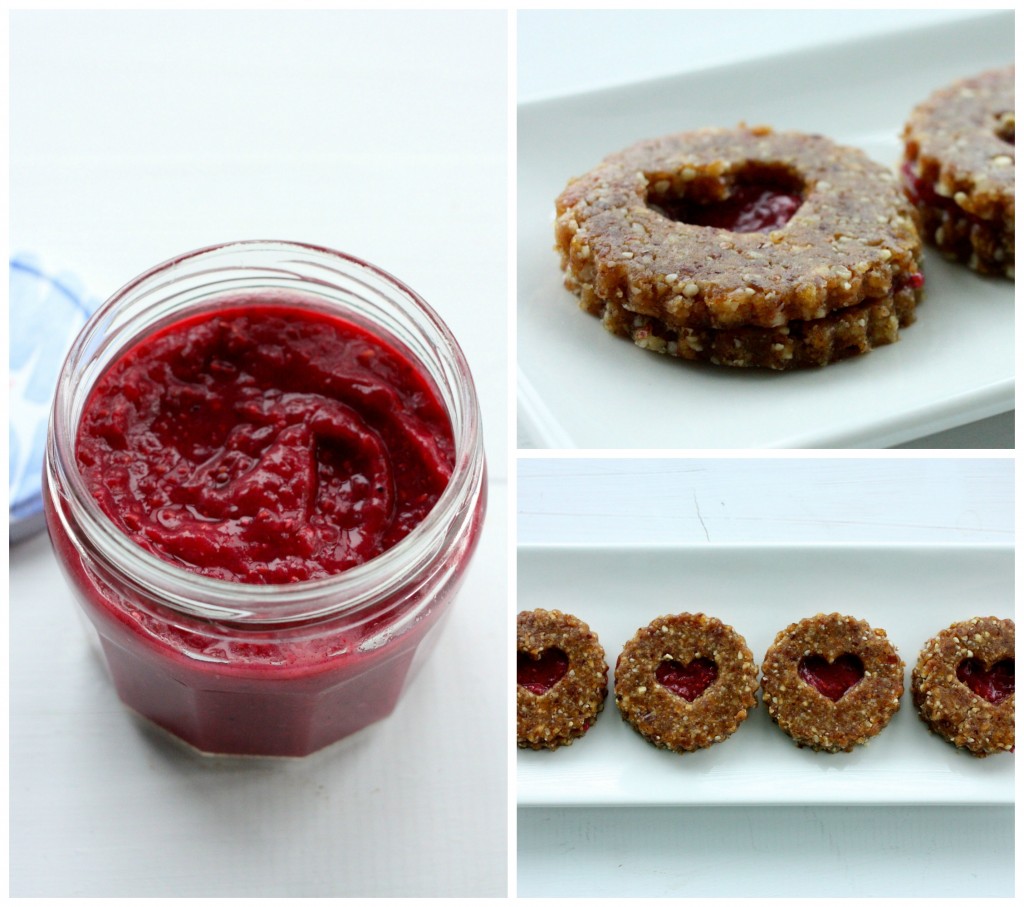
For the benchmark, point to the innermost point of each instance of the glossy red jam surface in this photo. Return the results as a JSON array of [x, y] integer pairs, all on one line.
[[751, 208], [688, 681], [538, 675], [264, 445], [993, 684], [831, 678]]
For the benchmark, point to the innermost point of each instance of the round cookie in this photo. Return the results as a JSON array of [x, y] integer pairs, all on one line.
[[958, 170], [963, 685], [831, 682], [724, 229], [561, 679], [685, 681]]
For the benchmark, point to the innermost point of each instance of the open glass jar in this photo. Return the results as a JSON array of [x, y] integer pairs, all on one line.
[[264, 668]]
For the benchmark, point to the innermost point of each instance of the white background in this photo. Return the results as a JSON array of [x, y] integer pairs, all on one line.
[[136, 136], [765, 851], [610, 47]]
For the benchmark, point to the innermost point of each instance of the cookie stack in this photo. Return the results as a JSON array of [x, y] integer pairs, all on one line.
[[743, 247], [958, 170]]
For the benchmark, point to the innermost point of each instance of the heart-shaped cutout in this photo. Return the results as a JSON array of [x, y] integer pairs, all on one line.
[[831, 678], [688, 681], [540, 674], [992, 684]]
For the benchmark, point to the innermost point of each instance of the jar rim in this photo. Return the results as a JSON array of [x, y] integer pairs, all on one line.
[[214, 598]]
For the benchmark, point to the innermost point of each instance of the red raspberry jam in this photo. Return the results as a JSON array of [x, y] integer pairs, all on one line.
[[751, 208], [689, 680], [993, 684], [922, 193], [264, 502], [264, 445], [538, 675], [831, 678]]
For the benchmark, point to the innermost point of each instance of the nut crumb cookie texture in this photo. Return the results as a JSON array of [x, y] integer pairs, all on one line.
[[831, 682], [561, 679], [685, 682], [958, 170], [743, 247], [963, 685]]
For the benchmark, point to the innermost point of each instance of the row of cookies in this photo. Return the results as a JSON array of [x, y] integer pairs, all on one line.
[[831, 682]]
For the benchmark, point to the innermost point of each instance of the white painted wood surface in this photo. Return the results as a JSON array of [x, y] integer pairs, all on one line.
[[786, 499]]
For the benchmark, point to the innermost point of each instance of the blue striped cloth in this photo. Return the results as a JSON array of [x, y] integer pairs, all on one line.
[[46, 313]]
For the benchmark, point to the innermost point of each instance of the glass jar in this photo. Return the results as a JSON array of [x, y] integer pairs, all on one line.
[[244, 668]]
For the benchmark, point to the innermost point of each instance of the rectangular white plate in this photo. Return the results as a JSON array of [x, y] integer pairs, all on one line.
[[911, 592], [579, 386]]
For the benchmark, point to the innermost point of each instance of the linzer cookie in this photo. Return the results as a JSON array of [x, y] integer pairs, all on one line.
[[963, 685], [685, 681], [561, 678], [743, 247], [958, 170], [831, 682]]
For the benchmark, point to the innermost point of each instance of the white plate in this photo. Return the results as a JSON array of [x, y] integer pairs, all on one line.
[[911, 592], [582, 387]]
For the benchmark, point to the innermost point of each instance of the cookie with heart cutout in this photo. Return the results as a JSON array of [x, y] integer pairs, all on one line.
[[561, 679], [958, 170], [963, 685], [743, 247], [685, 682], [831, 682]]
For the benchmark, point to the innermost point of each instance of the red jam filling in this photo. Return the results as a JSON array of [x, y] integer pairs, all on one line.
[[993, 684], [915, 281], [922, 193], [751, 208], [688, 681], [831, 678], [538, 675], [265, 444]]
